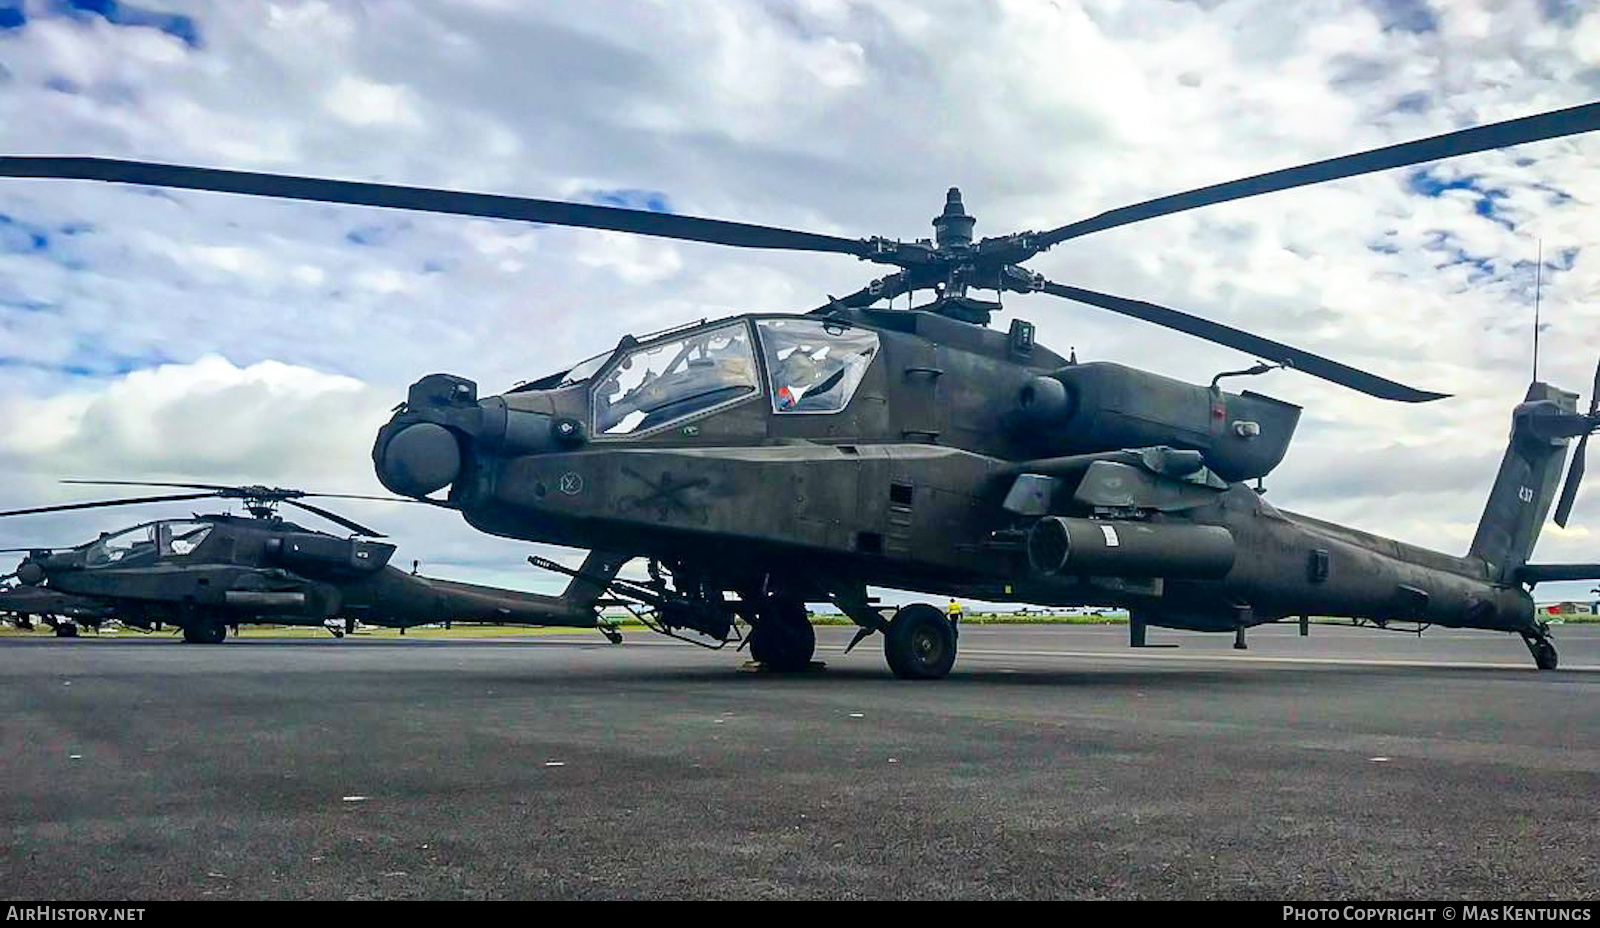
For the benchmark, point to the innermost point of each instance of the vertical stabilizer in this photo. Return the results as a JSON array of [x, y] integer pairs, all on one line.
[[1541, 427]]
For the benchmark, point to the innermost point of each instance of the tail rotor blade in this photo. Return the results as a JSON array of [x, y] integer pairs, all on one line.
[[1569, 490]]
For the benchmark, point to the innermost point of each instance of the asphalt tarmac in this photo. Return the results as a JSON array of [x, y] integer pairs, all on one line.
[[1053, 762]]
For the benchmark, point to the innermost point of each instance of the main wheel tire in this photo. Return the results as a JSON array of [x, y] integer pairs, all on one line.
[[205, 633], [66, 630], [1544, 655], [920, 643], [783, 638]]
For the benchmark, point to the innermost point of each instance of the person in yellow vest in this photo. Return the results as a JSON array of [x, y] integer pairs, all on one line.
[[953, 612]]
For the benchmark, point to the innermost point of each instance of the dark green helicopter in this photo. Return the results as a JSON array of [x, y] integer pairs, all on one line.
[[207, 572], [766, 461], [21, 604]]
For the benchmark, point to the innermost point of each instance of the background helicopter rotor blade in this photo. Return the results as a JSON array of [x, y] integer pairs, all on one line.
[[1556, 124], [429, 200], [1580, 456], [274, 495], [1300, 360], [353, 526], [97, 504], [268, 493]]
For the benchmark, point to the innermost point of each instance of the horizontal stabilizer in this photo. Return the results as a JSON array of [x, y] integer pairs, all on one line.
[[1539, 573]]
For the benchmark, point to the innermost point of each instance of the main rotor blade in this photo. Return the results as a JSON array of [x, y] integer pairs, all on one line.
[[886, 289], [1569, 490], [428, 200], [1571, 121], [109, 502], [148, 483], [381, 499], [356, 527], [1300, 360]]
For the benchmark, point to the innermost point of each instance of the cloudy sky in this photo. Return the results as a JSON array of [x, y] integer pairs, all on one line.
[[184, 335]]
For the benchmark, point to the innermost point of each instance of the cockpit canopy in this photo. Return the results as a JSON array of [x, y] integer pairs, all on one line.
[[809, 365], [661, 382], [173, 538]]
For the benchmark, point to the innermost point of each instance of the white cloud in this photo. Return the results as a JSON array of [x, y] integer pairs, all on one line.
[[367, 104]]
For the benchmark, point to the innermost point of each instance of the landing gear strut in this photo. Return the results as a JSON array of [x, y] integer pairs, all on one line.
[[1543, 651], [783, 638], [920, 643]]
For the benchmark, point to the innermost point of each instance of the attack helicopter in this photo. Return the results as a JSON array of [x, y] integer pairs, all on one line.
[[765, 461], [63, 613], [205, 573]]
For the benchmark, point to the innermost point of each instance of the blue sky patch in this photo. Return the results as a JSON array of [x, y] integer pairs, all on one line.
[[87, 360], [1446, 244], [11, 15], [179, 26], [1417, 102], [1564, 260], [28, 306], [376, 234], [1404, 15], [628, 198], [1562, 12], [22, 237], [1428, 184]]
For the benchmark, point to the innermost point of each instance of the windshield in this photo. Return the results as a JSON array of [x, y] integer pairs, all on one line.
[[815, 366], [585, 369], [114, 549], [181, 538], [657, 384]]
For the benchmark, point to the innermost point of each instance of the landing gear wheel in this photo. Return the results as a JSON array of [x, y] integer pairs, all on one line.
[[66, 630], [1544, 653], [783, 638], [920, 643], [207, 633]]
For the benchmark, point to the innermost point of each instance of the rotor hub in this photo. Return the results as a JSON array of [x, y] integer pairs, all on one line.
[[953, 227]]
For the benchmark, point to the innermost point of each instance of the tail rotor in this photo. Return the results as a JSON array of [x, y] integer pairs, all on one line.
[[1569, 490]]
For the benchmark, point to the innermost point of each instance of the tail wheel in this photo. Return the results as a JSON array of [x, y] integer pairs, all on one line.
[[920, 643], [783, 638]]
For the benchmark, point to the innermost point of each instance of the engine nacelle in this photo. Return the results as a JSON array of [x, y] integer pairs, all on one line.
[[307, 550], [1102, 406]]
